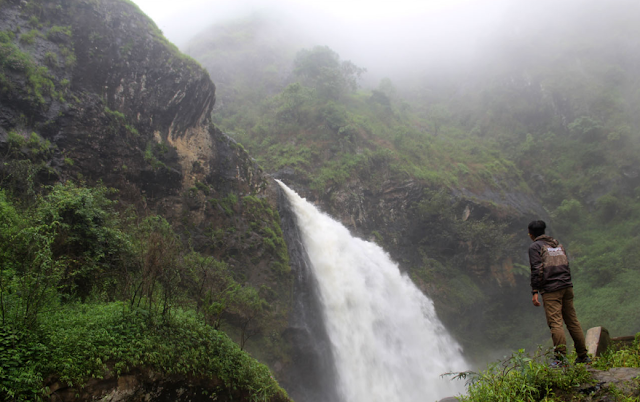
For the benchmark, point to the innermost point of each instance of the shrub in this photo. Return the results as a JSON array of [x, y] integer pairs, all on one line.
[[30, 37], [625, 357], [51, 59], [522, 377], [569, 211], [7, 36]]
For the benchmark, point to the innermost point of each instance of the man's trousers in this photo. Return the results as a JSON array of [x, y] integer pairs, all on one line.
[[558, 307]]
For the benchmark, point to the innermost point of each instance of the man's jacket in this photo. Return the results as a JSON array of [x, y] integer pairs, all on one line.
[[549, 265]]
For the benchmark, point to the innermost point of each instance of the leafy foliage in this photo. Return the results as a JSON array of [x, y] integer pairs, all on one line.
[[82, 341], [523, 377], [80, 284], [322, 69], [528, 377], [620, 357], [13, 60]]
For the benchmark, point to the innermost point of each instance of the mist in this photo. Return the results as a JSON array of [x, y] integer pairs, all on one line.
[[406, 40], [387, 40]]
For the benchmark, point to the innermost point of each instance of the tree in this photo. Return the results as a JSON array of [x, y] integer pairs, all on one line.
[[157, 277], [29, 275], [586, 128], [214, 284], [247, 306], [88, 238], [291, 102], [387, 87], [322, 69]]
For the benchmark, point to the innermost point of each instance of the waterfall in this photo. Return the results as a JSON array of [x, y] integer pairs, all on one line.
[[386, 340]]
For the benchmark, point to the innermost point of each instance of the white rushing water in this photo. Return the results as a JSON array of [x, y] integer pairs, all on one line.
[[387, 340]]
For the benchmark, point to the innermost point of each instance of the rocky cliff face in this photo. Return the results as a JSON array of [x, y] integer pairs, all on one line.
[[91, 91], [465, 248], [105, 97]]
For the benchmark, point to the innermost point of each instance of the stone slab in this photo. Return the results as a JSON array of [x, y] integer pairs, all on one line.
[[597, 340]]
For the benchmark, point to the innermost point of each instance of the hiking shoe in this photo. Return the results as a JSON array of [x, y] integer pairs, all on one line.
[[557, 363], [583, 360]]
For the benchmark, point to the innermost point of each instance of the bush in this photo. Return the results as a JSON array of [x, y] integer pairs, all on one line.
[[625, 357], [76, 343], [30, 37], [569, 212], [522, 377]]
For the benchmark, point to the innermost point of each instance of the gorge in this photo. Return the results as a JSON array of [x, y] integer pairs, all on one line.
[[140, 216]]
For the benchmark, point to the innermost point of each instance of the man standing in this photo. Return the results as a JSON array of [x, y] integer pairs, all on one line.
[[551, 277]]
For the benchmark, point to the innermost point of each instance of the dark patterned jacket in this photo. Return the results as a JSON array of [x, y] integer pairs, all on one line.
[[549, 265]]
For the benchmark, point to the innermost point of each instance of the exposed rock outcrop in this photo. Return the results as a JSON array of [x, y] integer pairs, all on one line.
[[91, 91], [613, 383], [481, 232], [122, 106]]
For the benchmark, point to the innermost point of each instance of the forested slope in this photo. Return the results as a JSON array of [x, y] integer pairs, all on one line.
[[445, 168]]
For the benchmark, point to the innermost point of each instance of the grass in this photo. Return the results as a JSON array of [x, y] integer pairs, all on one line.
[[620, 356]]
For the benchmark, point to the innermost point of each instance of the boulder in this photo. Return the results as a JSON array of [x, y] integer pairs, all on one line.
[[597, 340]]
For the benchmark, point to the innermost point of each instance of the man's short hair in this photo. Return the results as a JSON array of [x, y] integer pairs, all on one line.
[[536, 228]]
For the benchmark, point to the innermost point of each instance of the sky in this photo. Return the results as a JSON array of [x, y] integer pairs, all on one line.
[[162, 11], [395, 38], [377, 35]]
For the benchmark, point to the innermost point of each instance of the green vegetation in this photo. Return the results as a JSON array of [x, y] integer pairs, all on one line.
[[87, 286], [59, 30], [203, 187], [30, 37], [83, 287], [51, 59], [327, 133], [228, 204], [32, 146], [120, 120], [557, 134], [80, 341], [528, 377], [7, 36], [522, 377], [70, 59], [620, 356], [12, 59], [321, 69], [265, 221]]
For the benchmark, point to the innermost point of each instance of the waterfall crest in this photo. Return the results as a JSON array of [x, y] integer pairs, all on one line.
[[387, 342]]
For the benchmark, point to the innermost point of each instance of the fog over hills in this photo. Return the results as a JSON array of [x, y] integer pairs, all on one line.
[[140, 211], [405, 40]]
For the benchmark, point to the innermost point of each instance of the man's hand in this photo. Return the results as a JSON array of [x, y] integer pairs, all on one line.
[[535, 300]]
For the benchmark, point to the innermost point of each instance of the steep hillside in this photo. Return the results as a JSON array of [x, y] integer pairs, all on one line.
[[445, 207], [97, 107], [558, 97], [446, 169]]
